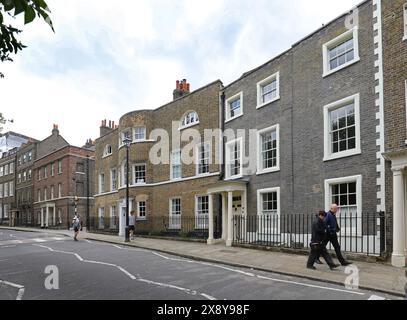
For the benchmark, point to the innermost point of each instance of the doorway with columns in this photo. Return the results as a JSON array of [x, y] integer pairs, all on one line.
[[234, 202], [399, 169]]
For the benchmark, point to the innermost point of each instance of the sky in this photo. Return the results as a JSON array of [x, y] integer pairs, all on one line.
[[106, 60]]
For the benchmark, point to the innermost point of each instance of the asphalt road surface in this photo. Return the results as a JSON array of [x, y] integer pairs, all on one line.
[[94, 270]]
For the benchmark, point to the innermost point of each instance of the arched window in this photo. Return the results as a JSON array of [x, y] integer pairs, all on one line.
[[190, 118], [108, 150]]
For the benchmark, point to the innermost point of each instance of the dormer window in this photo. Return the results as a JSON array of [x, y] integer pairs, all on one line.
[[107, 151], [190, 119]]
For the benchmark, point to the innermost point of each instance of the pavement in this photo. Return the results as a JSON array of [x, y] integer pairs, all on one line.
[[377, 278]]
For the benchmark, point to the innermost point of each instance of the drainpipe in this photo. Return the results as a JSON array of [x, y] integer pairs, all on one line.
[[222, 128]]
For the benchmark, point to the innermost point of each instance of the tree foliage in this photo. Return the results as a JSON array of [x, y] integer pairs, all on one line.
[[9, 43]]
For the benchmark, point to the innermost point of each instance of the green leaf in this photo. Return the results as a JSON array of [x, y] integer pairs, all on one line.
[[19, 7], [8, 5], [29, 15]]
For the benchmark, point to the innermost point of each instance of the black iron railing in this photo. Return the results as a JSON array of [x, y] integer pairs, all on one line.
[[360, 233], [164, 226]]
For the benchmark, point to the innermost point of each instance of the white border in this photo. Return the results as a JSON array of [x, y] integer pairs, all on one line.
[[327, 145], [405, 21], [379, 105], [227, 175], [171, 171], [260, 170], [134, 173], [181, 127], [227, 113], [328, 196], [325, 48], [266, 81], [259, 200], [197, 152]]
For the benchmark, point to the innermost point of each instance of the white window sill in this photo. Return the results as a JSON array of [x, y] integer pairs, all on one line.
[[235, 117], [176, 179], [267, 103], [107, 155], [343, 154], [234, 177], [265, 171], [141, 219], [203, 174], [188, 126], [328, 73], [405, 38]]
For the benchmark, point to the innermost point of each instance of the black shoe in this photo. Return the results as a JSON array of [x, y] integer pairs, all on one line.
[[318, 261], [334, 266], [311, 267], [346, 263]]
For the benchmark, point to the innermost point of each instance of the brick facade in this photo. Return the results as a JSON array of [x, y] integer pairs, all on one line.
[[60, 175], [158, 187]]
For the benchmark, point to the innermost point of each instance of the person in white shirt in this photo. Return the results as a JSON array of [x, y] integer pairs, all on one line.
[[132, 222], [76, 224]]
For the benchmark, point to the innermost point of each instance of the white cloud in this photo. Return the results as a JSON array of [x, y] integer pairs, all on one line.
[[107, 58]]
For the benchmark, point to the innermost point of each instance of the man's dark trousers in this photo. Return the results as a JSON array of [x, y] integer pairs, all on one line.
[[318, 250], [333, 238]]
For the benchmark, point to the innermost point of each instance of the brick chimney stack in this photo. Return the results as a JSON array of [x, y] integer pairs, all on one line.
[[182, 88], [55, 130], [106, 127]]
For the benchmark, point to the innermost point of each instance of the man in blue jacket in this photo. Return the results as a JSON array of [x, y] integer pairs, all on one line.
[[332, 230]]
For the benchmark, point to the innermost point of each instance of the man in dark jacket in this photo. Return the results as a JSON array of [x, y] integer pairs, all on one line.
[[332, 230], [317, 243]]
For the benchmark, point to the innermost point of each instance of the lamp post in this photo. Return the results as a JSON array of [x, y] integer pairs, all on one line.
[[127, 142]]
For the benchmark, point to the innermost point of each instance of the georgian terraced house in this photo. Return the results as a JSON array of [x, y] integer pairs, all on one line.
[[63, 182], [324, 122]]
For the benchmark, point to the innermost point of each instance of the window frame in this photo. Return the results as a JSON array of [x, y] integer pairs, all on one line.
[[196, 122], [198, 158], [102, 183], [328, 155], [359, 197], [111, 179], [227, 147], [198, 223], [60, 167], [260, 169], [144, 132], [106, 153], [172, 165], [261, 84], [177, 224], [264, 227], [352, 33], [134, 173], [139, 217], [237, 96]]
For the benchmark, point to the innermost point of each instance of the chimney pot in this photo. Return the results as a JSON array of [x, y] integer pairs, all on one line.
[[110, 123]]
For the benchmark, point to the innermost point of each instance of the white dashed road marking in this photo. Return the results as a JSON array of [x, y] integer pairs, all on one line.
[[258, 276], [131, 276], [20, 288], [374, 297]]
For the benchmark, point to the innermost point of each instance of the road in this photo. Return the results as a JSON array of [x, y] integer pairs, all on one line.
[[94, 270]]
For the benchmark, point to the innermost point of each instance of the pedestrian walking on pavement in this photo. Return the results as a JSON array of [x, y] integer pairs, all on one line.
[[319, 234], [332, 233], [76, 224], [132, 222]]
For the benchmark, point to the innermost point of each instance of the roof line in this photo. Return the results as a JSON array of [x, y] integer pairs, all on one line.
[[294, 45]]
